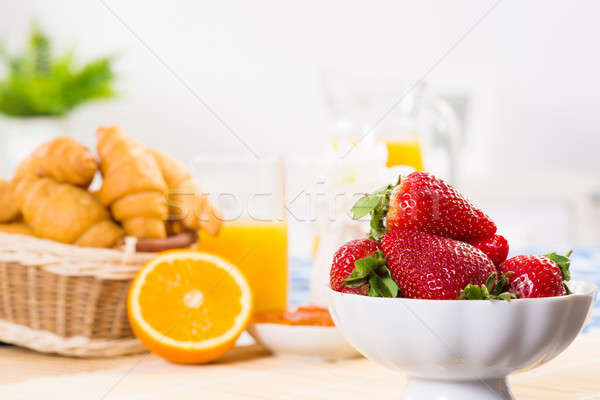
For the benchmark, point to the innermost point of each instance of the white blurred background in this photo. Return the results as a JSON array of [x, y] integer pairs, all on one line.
[[529, 70]]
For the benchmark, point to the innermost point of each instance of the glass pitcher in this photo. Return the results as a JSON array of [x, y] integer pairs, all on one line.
[[420, 129]]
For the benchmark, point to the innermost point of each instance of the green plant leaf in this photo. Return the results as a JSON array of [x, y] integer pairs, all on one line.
[[38, 84], [563, 263], [39, 52]]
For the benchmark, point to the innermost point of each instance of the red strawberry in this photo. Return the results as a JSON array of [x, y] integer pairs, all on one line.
[[359, 268], [427, 266], [495, 247], [537, 276], [343, 264], [425, 203]]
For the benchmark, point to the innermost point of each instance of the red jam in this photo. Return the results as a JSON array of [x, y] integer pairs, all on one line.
[[304, 315]]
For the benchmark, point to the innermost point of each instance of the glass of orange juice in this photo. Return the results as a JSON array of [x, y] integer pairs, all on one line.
[[250, 195], [404, 151]]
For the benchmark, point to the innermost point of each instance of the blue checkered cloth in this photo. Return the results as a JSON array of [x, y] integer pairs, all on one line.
[[585, 266]]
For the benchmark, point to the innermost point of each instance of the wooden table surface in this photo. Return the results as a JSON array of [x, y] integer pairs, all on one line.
[[249, 372]]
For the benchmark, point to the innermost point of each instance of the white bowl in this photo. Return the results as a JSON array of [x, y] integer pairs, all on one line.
[[458, 349], [303, 341]]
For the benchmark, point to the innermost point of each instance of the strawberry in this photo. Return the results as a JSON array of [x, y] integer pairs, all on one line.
[[495, 247], [537, 276], [425, 203], [427, 266], [359, 267]]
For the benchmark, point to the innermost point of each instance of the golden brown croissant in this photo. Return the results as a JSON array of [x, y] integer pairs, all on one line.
[[63, 159], [65, 213], [9, 210], [133, 184], [16, 228], [103, 234], [188, 205]]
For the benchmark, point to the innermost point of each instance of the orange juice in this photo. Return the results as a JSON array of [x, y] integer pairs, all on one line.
[[259, 250], [405, 152]]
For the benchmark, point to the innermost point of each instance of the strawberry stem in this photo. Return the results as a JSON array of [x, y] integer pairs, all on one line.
[[377, 205], [563, 263], [373, 270], [493, 289]]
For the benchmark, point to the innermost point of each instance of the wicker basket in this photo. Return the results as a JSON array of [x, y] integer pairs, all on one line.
[[66, 299]]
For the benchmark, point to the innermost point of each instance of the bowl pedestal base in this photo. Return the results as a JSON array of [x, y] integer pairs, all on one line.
[[481, 389]]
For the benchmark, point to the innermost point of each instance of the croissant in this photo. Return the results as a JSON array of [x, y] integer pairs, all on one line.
[[16, 228], [63, 159], [133, 185], [9, 210], [186, 202], [102, 234], [65, 213]]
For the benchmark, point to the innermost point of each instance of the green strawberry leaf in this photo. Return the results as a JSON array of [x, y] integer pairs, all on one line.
[[365, 267], [354, 282], [501, 284], [373, 269], [474, 292], [365, 205], [386, 278], [382, 284], [493, 289], [377, 205], [506, 296], [379, 287], [490, 283], [378, 228], [563, 263]]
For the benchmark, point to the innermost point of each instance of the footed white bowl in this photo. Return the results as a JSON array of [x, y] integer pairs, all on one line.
[[460, 349]]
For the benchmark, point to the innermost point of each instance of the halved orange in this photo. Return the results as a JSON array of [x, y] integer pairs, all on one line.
[[189, 306]]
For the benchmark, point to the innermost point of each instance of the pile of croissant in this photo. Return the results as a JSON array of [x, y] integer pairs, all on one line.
[[145, 193]]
